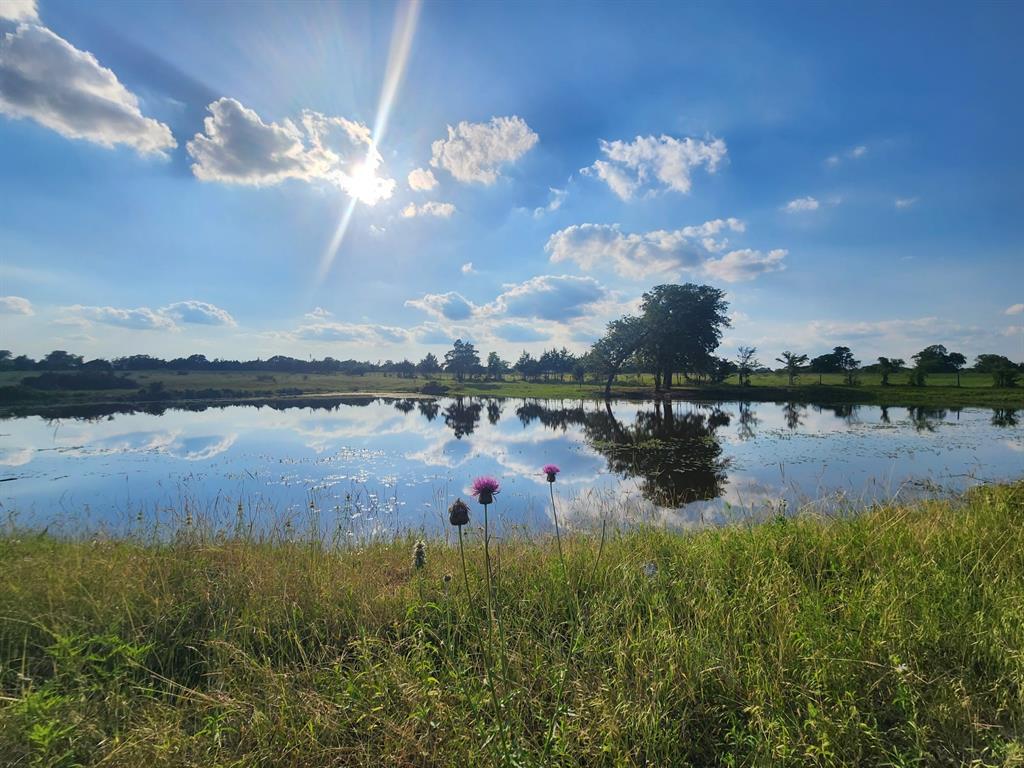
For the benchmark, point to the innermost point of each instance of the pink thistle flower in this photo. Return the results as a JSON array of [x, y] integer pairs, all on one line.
[[484, 488], [550, 470]]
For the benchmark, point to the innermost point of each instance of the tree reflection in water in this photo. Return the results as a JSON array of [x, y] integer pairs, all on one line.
[[676, 457], [462, 416]]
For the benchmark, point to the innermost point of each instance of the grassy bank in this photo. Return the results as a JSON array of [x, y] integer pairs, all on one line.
[[941, 391], [895, 637]]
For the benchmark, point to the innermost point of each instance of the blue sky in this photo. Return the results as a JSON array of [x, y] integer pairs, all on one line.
[[373, 180]]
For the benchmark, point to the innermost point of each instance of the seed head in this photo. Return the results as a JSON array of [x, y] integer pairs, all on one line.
[[458, 513], [419, 554]]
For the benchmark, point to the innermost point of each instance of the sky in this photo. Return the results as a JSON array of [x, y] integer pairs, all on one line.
[[374, 180]]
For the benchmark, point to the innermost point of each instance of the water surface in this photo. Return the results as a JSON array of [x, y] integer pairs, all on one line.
[[365, 466]]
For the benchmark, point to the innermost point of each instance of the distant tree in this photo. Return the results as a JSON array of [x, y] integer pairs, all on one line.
[[746, 362], [98, 365], [792, 363], [429, 365], [888, 366], [1005, 377], [719, 369], [59, 360], [406, 369], [847, 364], [496, 367], [462, 359], [827, 363], [527, 366], [937, 359], [619, 344], [990, 363], [957, 361]]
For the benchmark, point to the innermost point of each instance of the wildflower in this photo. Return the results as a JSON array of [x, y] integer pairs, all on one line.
[[484, 488], [419, 554], [550, 470], [458, 513]]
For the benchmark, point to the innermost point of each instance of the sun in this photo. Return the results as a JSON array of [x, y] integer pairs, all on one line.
[[363, 183]]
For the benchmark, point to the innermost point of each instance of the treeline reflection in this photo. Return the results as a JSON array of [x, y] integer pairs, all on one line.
[[673, 450]]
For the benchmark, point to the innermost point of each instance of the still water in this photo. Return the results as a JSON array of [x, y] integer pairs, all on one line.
[[371, 466]]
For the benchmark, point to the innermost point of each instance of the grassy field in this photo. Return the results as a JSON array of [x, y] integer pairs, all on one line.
[[894, 637], [975, 389]]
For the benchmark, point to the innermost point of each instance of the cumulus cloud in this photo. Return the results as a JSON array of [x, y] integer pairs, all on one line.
[[550, 297], [422, 179], [46, 79], [904, 202], [467, 268], [19, 10], [199, 313], [1015, 309], [519, 333], [362, 333], [190, 312], [444, 306], [555, 199], [318, 313], [16, 305], [654, 163], [476, 152], [142, 318], [238, 147], [745, 264], [431, 208], [638, 255], [802, 204]]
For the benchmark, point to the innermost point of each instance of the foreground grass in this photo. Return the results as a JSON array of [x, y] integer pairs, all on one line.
[[941, 391], [895, 637]]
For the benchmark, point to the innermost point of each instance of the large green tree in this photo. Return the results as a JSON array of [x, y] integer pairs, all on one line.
[[684, 326]]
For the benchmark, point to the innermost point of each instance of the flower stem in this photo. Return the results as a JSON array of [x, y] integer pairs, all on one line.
[[486, 653]]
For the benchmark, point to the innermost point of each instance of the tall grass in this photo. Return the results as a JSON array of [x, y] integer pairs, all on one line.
[[893, 637]]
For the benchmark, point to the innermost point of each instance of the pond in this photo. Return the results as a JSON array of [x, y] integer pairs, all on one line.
[[361, 467]]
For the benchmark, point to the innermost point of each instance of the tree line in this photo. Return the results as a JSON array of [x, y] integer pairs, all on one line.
[[676, 333]]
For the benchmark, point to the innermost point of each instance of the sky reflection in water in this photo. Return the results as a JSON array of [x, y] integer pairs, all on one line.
[[385, 464]]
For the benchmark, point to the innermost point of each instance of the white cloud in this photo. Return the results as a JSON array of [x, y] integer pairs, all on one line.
[[853, 153], [45, 78], [422, 179], [430, 208], [16, 305], [362, 333], [467, 268], [802, 204], [745, 264], [199, 313], [550, 297], [238, 147], [650, 164], [444, 306], [638, 255], [558, 298], [1015, 309], [318, 313], [476, 152], [19, 10], [555, 199], [905, 202], [142, 318]]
